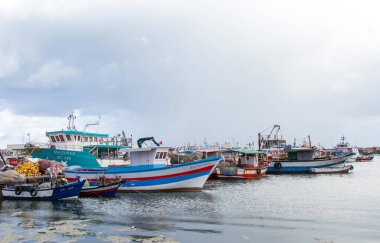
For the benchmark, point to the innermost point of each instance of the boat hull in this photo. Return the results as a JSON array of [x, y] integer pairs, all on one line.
[[70, 157], [107, 190], [43, 194], [241, 173], [283, 167], [184, 177], [332, 169], [68, 191], [364, 159]]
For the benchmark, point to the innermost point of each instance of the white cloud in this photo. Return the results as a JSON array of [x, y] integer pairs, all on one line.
[[51, 75], [166, 60], [9, 64], [15, 127], [144, 40], [231, 56], [113, 67]]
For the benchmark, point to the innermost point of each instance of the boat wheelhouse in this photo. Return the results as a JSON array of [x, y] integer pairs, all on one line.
[[243, 164]]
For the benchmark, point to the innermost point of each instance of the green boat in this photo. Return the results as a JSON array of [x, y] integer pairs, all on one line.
[[84, 149]]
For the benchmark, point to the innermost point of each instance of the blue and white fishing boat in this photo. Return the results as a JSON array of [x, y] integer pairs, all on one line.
[[343, 148], [301, 160], [150, 170], [81, 148], [43, 191]]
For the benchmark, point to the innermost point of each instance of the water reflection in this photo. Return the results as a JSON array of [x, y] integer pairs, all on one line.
[[69, 206], [331, 207]]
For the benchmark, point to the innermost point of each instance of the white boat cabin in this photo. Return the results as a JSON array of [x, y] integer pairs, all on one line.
[[75, 140], [153, 156]]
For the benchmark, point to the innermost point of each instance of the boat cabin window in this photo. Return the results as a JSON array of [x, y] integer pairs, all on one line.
[[52, 139], [90, 139], [57, 138], [158, 155], [164, 157], [86, 139], [61, 137], [68, 137], [95, 139]]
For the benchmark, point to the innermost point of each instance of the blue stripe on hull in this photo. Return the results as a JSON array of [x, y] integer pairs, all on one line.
[[298, 169], [163, 180]]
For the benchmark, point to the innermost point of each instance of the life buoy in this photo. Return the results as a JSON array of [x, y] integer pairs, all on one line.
[[277, 165], [101, 141], [33, 192], [270, 158], [18, 190]]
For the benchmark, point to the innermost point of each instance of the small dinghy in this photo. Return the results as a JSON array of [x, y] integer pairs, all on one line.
[[332, 169], [103, 189], [364, 158]]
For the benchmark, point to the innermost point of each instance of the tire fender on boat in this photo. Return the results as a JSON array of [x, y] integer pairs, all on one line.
[[259, 171], [33, 192], [18, 190], [277, 165]]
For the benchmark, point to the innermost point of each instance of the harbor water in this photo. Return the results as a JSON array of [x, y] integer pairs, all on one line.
[[277, 208]]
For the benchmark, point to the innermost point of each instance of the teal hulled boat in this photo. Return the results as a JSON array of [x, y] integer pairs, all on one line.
[[85, 149]]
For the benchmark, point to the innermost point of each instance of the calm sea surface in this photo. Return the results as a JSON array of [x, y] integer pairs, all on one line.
[[277, 208]]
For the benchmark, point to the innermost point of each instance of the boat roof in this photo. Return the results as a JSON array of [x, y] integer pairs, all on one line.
[[209, 150], [78, 133], [300, 149], [247, 151], [105, 146]]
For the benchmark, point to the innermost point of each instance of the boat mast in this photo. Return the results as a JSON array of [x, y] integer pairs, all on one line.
[[71, 119], [2, 159]]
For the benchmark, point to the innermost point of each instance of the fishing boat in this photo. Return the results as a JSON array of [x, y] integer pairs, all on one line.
[[364, 158], [82, 148], [301, 160], [104, 188], [150, 170], [332, 169], [343, 148], [43, 191], [243, 164]]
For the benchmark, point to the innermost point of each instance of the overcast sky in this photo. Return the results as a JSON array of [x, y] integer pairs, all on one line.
[[183, 71]]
